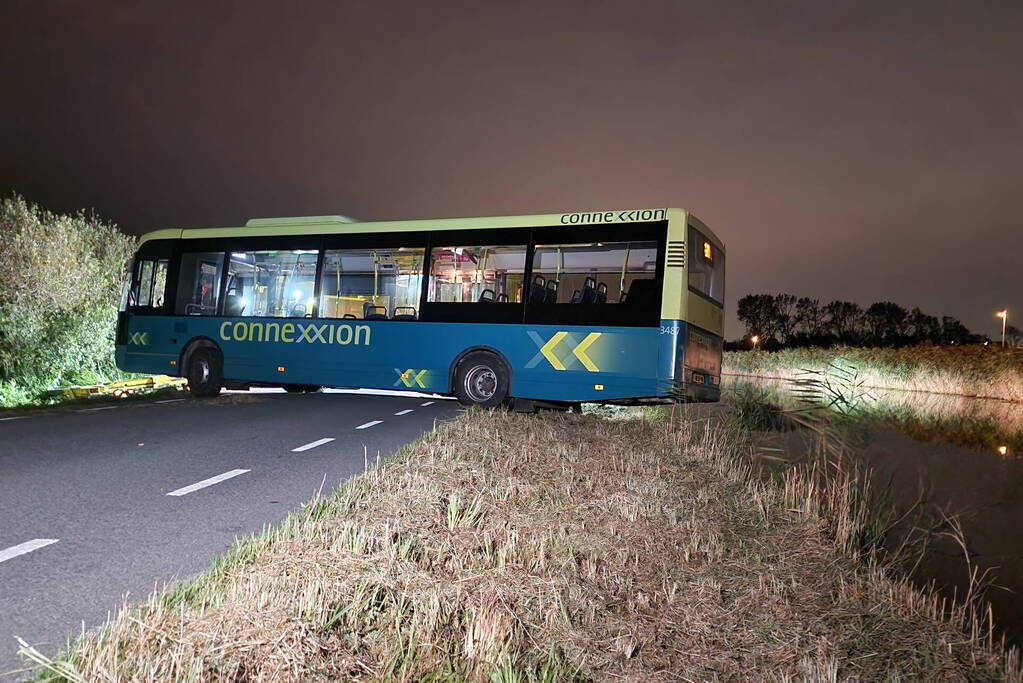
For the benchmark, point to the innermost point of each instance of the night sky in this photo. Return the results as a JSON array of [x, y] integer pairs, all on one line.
[[842, 150]]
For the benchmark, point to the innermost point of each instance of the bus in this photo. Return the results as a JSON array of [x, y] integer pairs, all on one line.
[[621, 306]]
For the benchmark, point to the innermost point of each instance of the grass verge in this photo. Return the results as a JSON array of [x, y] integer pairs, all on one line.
[[505, 547], [982, 371]]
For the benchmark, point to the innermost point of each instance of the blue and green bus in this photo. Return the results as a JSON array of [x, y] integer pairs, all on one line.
[[557, 309]]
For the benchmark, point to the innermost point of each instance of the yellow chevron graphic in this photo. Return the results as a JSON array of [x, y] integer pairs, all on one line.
[[410, 378], [580, 351], [548, 350], [140, 338]]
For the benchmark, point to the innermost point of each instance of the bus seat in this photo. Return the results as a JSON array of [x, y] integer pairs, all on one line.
[[406, 313], [588, 294], [577, 296], [234, 305], [349, 316], [538, 291], [601, 296], [298, 311], [371, 312], [551, 295], [502, 298], [483, 296], [641, 292]]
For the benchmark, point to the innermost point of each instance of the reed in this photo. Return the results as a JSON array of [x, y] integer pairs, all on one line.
[[981, 371]]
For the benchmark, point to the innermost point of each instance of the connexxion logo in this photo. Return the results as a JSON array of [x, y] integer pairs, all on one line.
[[296, 333], [614, 216]]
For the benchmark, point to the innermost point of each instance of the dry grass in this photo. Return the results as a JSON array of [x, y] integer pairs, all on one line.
[[930, 417], [983, 371], [513, 548]]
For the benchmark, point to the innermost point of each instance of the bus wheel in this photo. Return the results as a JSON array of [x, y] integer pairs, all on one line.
[[302, 388], [205, 373], [481, 380]]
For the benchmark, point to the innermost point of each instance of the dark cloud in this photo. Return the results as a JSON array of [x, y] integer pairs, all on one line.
[[857, 150]]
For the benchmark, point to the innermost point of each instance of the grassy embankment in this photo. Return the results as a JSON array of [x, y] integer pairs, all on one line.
[[509, 548], [981, 371]]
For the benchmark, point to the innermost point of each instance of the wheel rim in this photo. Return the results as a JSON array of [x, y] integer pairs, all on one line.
[[204, 372], [481, 384]]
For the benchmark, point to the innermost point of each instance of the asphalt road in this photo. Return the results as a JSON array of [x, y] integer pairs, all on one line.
[[101, 504]]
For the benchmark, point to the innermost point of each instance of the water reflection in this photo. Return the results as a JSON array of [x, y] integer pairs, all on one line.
[[954, 455]]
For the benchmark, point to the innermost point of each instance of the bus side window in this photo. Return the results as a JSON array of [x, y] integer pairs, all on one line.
[[371, 284], [148, 285], [477, 274], [199, 283], [271, 284], [594, 273]]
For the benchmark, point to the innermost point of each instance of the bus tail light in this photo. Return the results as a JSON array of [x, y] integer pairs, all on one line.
[[280, 368]]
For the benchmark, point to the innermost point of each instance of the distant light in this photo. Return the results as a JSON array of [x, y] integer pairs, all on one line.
[[280, 368], [708, 251], [1002, 314], [985, 343], [1003, 450]]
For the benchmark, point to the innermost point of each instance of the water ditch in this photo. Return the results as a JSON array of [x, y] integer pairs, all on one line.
[[930, 457]]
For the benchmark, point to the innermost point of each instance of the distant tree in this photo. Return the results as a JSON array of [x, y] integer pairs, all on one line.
[[886, 323], [810, 319], [1013, 336], [845, 320], [759, 314], [784, 315], [785, 320], [922, 327], [953, 331]]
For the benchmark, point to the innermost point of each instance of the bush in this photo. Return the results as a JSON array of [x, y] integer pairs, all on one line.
[[59, 283]]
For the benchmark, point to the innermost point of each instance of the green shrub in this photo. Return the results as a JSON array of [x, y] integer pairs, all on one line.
[[59, 283]]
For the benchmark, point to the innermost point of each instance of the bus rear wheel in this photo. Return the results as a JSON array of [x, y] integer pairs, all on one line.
[[205, 373], [482, 379]]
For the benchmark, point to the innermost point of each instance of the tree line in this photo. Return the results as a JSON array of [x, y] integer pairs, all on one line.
[[784, 320]]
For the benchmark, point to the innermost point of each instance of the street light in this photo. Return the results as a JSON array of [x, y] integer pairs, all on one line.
[[755, 338], [1004, 315]]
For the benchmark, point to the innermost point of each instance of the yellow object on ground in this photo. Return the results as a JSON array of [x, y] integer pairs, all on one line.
[[125, 387]]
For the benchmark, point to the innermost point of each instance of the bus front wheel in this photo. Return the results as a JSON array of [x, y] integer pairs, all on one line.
[[205, 373], [482, 379]]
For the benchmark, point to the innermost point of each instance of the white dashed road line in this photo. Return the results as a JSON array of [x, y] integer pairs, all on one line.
[[206, 482], [369, 424], [16, 417], [169, 400], [90, 410], [428, 403], [312, 444], [404, 412], [26, 547]]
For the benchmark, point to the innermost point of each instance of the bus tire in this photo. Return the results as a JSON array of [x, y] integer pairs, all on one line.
[[205, 372], [482, 379]]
